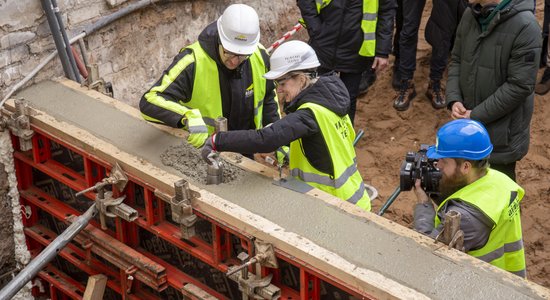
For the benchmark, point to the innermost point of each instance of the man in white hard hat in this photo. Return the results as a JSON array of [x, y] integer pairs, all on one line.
[[316, 126], [219, 75]]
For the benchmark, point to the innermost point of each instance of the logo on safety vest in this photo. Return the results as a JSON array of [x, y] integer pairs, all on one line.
[[241, 37], [249, 91]]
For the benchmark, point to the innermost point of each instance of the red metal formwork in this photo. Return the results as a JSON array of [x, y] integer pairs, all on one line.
[[163, 263]]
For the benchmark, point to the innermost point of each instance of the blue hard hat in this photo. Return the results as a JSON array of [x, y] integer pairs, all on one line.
[[462, 138]]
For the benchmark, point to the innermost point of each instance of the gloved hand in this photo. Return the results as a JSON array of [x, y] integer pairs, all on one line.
[[282, 155], [208, 151], [198, 132]]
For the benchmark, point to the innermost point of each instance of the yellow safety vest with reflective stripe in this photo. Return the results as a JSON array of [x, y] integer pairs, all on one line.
[[368, 24], [206, 94], [498, 197], [347, 183]]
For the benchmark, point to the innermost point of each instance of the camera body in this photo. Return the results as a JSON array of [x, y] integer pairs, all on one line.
[[417, 165]]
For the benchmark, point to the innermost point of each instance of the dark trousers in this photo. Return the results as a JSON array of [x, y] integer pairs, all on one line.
[[351, 81], [408, 36], [398, 26], [508, 169]]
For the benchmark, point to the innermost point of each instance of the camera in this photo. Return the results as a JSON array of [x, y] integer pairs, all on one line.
[[419, 166]]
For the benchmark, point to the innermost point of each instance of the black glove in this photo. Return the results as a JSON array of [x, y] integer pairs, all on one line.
[[208, 151]]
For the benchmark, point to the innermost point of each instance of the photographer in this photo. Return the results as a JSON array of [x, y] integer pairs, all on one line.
[[487, 200]]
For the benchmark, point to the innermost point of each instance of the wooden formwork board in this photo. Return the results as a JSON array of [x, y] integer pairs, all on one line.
[[461, 272]]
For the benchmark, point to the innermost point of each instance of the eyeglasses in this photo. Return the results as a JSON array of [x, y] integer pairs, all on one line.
[[231, 55], [282, 81]]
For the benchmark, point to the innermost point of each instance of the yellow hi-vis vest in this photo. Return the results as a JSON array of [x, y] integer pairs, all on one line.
[[206, 94], [347, 183], [498, 197], [368, 24]]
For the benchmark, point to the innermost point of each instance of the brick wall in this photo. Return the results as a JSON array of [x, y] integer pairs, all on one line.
[[131, 52]]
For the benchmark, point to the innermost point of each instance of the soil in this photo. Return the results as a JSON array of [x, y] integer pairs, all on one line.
[[390, 134]]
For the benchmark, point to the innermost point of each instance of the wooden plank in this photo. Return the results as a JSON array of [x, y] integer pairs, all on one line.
[[95, 288]]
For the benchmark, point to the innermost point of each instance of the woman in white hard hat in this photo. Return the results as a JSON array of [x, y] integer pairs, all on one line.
[[316, 126], [219, 75]]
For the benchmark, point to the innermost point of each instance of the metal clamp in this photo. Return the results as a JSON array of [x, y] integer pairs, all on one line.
[[95, 82], [180, 205], [19, 124], [252, 286], [108, 206], [451, 234]]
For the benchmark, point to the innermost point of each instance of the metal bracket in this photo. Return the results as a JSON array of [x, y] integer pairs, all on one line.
[[106, 204], [95, 82], [451, 234], [251, 286], [180, 204], [19, 124]]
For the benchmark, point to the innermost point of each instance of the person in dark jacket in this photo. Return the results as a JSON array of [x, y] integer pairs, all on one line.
[[316, 126], [342, 45], [219, 75], [440, 31], [493, 72], [487, 200]]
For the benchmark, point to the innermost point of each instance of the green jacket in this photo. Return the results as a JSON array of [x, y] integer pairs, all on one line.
[[493, 73]]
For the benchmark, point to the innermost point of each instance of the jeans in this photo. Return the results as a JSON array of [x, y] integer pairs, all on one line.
[[408, 37]]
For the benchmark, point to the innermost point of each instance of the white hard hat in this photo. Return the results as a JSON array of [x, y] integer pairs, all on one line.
[[291, 56], [239, 29]]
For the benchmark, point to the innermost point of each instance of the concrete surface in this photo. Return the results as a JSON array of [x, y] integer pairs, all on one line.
[[358, 240]]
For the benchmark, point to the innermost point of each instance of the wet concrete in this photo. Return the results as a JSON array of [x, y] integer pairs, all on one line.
[[358, 240], [186, 159]]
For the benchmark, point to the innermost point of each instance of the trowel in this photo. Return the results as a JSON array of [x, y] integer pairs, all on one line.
[[293, 184]]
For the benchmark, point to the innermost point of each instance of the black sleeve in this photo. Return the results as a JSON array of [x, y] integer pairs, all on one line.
[[294, 126], [160, 103], [384, 27], [313, 21], [271, 105]]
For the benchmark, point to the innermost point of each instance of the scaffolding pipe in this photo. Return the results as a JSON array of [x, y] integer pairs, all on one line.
[[49, 253], [68, 47], [103, 21], [59, 44]]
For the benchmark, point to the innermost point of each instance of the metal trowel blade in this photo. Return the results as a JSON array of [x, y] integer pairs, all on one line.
[[293, 184]]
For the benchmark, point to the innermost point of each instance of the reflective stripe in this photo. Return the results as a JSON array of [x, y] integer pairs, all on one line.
[[515, 246], [522, 273], [153, 97], [510, 247], [198, 129], [319, 2], [369, 36], [258, 107], [369, 17], [357, 195], [325, 180]]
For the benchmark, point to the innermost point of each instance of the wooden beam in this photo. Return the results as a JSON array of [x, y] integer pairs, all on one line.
[[95, 287]]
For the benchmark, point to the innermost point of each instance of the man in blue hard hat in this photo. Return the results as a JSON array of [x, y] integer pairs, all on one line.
[[487, 200]]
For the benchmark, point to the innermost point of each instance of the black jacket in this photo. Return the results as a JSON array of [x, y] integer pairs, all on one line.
[[238, 109], [328, 91], [443, 21], [336, 33]]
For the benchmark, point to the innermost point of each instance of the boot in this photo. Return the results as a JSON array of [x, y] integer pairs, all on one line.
[[396, 78], [543, 86], [405, 95], [436, 94]]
